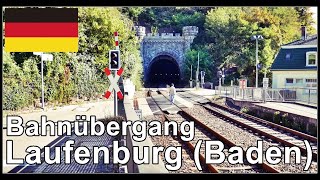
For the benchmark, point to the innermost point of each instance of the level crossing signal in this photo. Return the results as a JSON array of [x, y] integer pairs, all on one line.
[[114, 60]]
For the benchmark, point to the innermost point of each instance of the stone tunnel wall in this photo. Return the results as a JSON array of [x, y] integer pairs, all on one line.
[[171, 44], [153, 49]]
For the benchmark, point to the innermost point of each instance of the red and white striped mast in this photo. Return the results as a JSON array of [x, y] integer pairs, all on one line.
[[116, 38]]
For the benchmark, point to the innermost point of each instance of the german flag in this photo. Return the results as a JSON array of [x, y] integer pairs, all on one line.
[[41, 29]]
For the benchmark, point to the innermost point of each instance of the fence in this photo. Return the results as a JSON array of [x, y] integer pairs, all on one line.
[[300, 95]]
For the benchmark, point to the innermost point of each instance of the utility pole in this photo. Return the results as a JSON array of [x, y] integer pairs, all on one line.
[[256, 62], [265, 85], [190, 82], [42, 84], [257, 37], [44, 57], [115, 95], [223, 75], [191, 73], [197, 74]]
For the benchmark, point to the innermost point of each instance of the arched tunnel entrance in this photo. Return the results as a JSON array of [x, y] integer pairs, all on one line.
[[163, 70]]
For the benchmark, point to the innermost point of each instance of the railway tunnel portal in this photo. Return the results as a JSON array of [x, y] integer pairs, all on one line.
[[163, 55]]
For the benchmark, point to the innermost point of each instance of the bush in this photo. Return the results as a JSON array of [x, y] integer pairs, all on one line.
[[276, 117], [299, 126], [267, 116], [286, 122], [302, 126], [15, 97], [252, 112], [244, 109], [72, 75], [15, 92], [312, 129], [86, 80]]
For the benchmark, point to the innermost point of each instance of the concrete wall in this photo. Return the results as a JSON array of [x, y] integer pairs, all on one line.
[[279, 78], [301, 91], [264, 112]]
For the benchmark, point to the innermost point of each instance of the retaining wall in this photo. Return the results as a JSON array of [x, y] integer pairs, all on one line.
[[298, 122]]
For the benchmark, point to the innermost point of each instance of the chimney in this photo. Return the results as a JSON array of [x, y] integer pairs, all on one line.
[[303, 33]]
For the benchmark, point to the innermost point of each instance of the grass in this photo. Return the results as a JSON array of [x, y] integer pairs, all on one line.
[[218, 99]]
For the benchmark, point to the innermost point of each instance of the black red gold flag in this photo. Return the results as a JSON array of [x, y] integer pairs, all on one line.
[[41, 29]]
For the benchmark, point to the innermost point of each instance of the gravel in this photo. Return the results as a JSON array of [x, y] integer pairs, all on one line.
[[188, 165], [247, 138], [140, 94]]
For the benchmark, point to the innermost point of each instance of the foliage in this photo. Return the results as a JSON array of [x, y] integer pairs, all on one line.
[[154, 30], [244, 109], [75, 75], [276, 117], [19, 58], [15, 95], [313, 130], [32, 78], [305, 19], [173, 17], [86, 81], [286, 121], [132, 12], [182, 19], [229, 32], [205, 62], [232, 77]]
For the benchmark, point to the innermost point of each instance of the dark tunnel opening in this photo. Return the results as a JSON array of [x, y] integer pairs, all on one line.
[[163, 70]]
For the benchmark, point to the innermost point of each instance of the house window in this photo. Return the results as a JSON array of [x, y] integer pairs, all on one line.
[[289, 81], [299, 81], [288, 56], [311, 58], [311, 84], [311, 81]]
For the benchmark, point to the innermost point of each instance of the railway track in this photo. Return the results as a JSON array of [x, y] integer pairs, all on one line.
[[280, 134], [188, 165], [250, 129], [203, 132]]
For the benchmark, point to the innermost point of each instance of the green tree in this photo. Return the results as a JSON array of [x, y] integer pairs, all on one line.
[[229, 32], [97, 38], [287, 23], [32, 78], [205, 63], [306, 19], [132, 12], [79, 74], [181, 19], [229, 36], [15, 96]]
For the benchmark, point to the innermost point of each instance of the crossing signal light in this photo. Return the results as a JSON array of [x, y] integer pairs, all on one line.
[[114, 60], [259, 66], [203, 73]]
